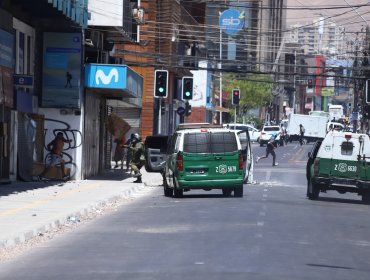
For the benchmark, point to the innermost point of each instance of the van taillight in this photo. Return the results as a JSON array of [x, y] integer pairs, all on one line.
[[241, 162], [180, 162], [316, 166]]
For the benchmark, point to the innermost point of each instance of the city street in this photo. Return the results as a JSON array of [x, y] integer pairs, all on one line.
[[273, 232]]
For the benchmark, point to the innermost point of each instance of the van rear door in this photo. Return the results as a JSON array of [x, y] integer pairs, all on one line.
[[247, 155], [155, 152], [344, 161]]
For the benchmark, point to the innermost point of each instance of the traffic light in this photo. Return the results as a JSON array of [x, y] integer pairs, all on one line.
[[187, 88], [236, 97], [367, 92], [187, 109], [310, 83], [366, 112], [160, 83]]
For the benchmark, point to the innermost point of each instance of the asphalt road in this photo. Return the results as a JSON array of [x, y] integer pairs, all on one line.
[[273, 232]]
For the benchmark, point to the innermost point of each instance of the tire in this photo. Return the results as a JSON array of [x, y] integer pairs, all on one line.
[[177, 192], [167, 191], [238, 191], [312, 190], [226, 192], [366, 197]]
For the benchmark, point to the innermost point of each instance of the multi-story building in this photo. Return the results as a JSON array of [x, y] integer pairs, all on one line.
[[251, 45], [40, 41], [321, 37]]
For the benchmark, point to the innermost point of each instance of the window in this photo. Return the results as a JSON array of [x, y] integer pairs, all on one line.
[[223, 142], [346, 148], [196, 143], [217, 142]]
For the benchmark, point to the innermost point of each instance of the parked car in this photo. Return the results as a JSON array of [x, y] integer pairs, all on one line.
[[201, 156], [341, 163], [254, 133], [267, 132]]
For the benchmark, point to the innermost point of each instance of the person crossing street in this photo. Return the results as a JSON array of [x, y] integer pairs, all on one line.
[[270, 149]]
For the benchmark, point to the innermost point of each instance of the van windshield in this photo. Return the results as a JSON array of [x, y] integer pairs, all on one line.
[[217, 142]]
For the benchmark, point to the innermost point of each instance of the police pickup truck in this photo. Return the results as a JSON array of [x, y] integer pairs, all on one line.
[[340, 162]]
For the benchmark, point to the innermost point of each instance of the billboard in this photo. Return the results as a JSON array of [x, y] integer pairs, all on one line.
[[61, 70]]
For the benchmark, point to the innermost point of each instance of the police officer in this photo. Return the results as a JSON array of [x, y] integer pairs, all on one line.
[[138, 158]]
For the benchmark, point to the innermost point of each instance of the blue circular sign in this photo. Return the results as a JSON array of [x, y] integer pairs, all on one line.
[[181, 111], [232, 21]]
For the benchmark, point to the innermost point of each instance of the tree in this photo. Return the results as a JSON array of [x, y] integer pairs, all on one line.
[[255, 90]]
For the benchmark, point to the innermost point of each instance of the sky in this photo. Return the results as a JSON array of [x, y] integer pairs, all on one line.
[[349, 18]]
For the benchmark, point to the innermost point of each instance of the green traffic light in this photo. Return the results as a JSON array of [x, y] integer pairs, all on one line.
[[187, 93], [161, 89]]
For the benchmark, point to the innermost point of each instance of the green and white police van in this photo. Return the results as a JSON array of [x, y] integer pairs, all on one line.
[[201, 156], [342, 163]]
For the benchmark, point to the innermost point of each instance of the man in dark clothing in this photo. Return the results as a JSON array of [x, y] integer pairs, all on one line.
[[270, 149], [301, 134]]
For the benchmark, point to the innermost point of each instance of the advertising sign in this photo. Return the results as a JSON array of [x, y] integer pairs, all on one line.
[[6, 49], [232, 21], [61, 70]]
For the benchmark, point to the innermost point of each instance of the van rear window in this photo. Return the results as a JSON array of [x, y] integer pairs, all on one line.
[[346, 148], [220, 142]]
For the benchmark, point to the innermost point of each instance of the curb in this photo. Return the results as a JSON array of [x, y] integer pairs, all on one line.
[[71, 218]]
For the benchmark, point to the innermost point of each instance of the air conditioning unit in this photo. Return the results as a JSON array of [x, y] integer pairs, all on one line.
[[138, 15]]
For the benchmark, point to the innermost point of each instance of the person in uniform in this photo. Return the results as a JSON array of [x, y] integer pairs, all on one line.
[[138, 157]]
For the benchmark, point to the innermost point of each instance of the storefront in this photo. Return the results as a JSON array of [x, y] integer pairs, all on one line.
[[108, 88]]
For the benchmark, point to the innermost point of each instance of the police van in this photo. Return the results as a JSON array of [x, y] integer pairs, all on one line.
[[201, 156], [340, 162]]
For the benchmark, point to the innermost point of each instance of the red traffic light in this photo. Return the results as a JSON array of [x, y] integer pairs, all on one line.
[[236, 97]]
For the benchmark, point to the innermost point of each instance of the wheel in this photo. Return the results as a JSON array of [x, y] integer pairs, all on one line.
[[366, 197], [167, 191], [177, 192], [238, 191], [312, 190], [226, 192]]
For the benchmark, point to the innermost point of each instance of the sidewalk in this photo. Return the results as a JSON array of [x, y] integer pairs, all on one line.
[[28, 209]]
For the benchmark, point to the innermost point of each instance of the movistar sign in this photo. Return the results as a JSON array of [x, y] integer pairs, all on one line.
[[232, 21]]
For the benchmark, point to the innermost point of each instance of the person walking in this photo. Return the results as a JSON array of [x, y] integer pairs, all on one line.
[[56, 147], [270, 149], [301, 134], [138, 157]]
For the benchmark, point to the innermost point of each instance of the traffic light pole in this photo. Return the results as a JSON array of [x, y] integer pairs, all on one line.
[[160, 116], [220, 75]]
